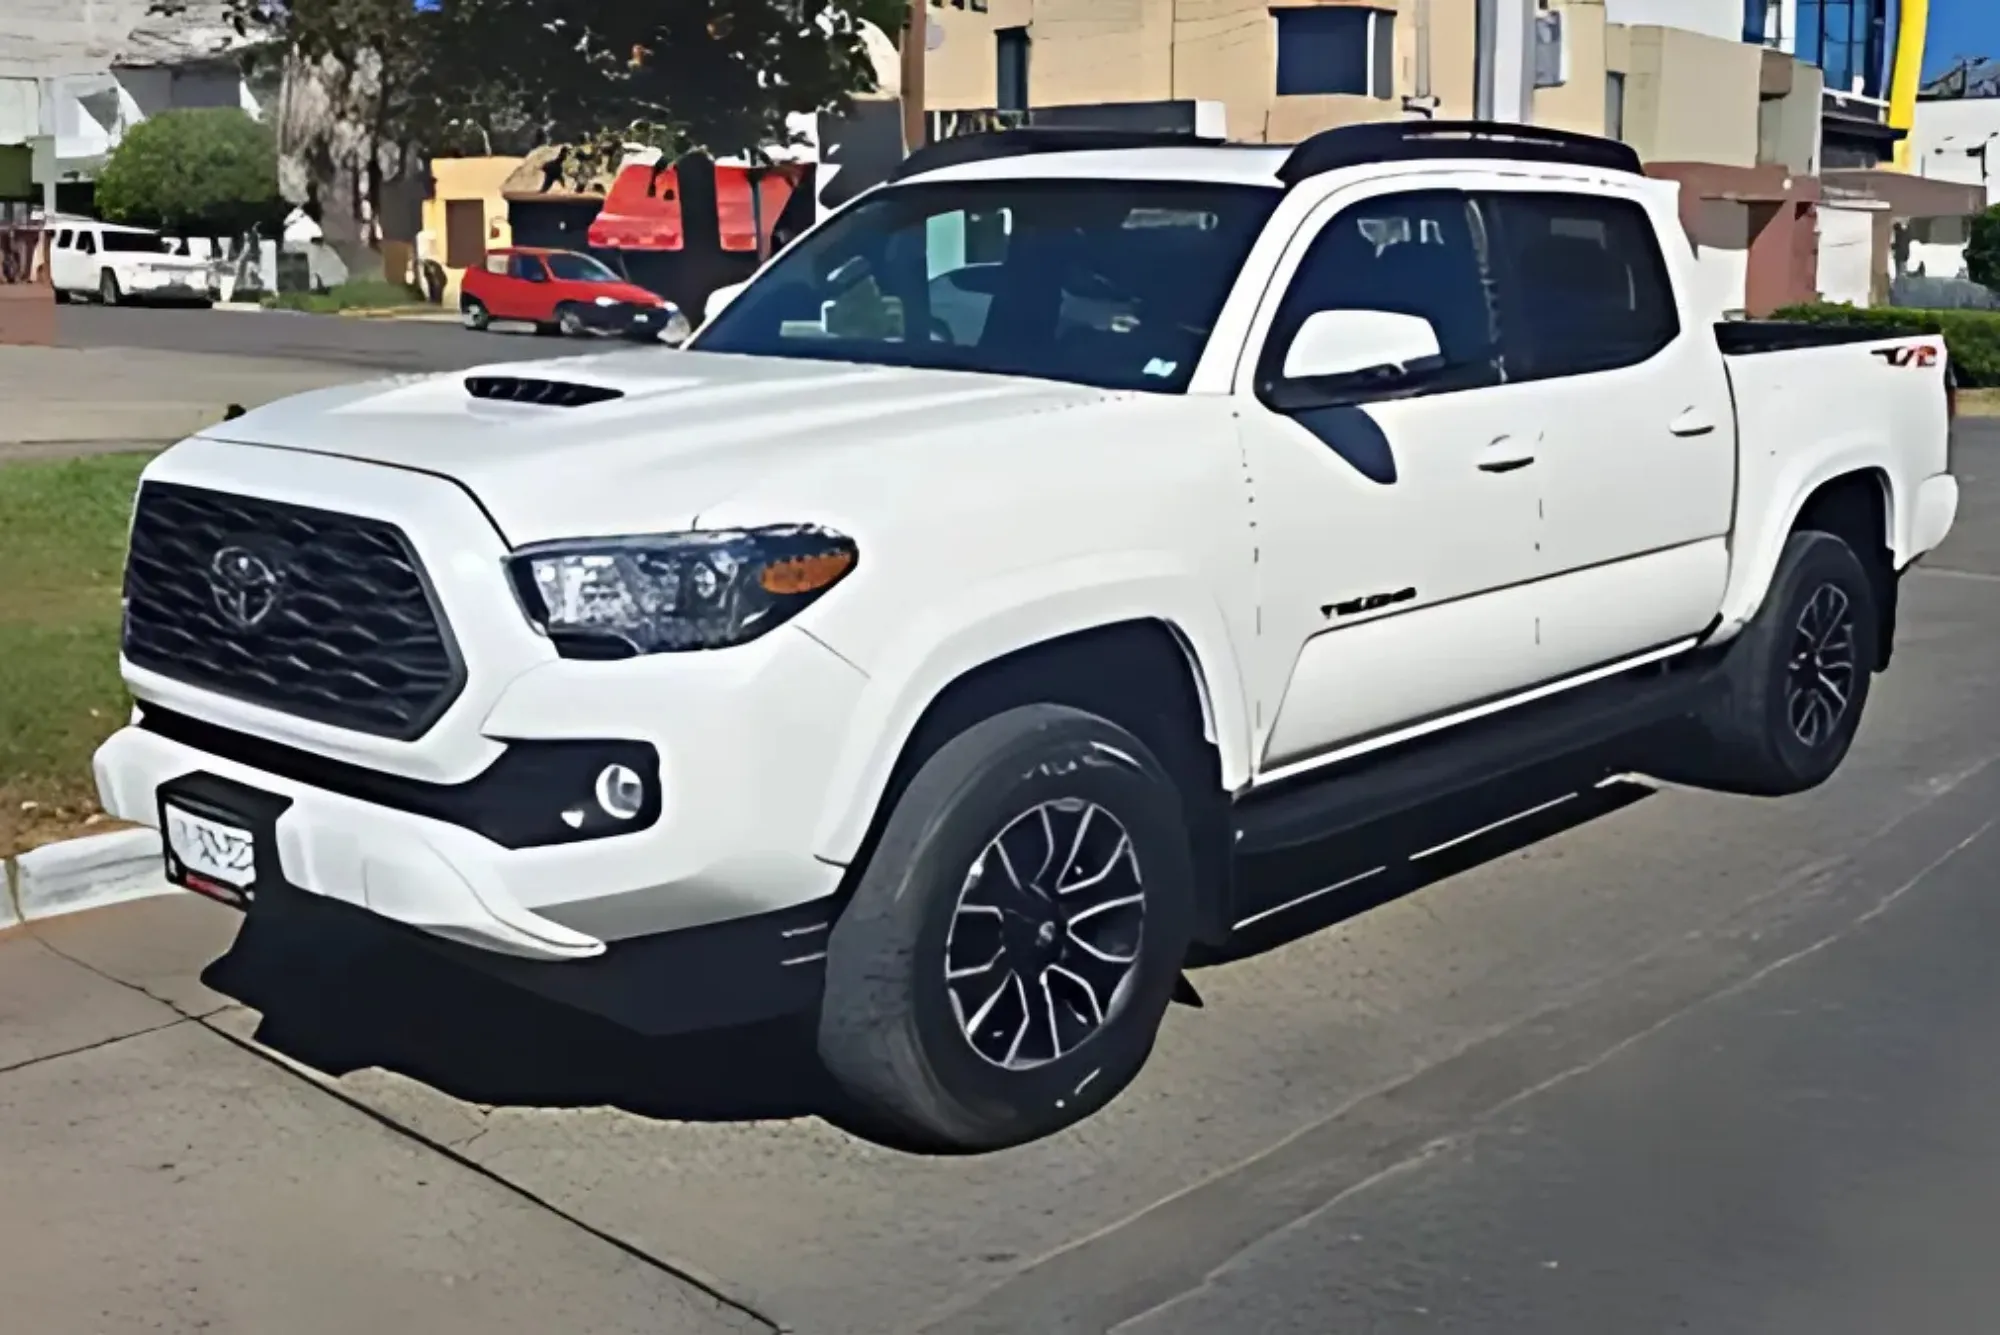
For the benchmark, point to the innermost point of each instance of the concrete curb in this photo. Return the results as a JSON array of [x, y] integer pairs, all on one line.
[[58, 423], [92, 872]]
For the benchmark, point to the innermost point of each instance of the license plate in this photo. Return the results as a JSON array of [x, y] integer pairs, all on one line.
[[212, 857]]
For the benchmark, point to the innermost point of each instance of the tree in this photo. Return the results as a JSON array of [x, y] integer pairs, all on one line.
[[206, 172], [1982, 250], [717, 76]]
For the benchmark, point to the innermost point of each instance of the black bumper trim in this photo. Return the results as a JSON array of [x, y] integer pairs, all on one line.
[[517, 802]]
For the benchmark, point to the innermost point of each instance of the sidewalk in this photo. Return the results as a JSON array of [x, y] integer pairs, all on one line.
[[85, 400]]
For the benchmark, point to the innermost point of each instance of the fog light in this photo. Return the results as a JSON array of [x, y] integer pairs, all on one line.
[[620, 791]]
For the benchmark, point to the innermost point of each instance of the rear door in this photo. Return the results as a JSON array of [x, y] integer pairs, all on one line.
[[1637, 458], [63, 260]]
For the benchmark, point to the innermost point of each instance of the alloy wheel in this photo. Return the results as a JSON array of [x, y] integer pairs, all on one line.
[[1045, 937], [1820, 675]]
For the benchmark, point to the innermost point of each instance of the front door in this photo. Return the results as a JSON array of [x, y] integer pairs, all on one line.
[[1396, 530], [530, 295], [63, 261], [1638, 458]]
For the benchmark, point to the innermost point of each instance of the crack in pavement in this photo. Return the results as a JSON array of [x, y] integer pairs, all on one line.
[[113, 1041], [683, 1274]]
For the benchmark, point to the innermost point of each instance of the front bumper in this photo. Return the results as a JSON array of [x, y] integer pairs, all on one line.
[[629, 319]]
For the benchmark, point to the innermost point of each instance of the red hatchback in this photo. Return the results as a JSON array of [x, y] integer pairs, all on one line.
[[561, 291]]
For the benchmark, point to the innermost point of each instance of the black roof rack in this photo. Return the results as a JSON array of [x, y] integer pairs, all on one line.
[[1388, 141], [1041, 139]]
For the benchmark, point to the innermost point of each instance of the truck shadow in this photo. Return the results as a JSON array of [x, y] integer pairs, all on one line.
[[339, 999]]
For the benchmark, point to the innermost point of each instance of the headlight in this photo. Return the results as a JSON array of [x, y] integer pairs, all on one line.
[[606, 301], [615, 597]]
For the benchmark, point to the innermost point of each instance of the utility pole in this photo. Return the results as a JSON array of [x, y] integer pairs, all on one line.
[[1504, 63], [916, 35]]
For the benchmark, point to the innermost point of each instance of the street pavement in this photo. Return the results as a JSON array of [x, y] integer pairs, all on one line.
[[368, 344], [1648, 1059]]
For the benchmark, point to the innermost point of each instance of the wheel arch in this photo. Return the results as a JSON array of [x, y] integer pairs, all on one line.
[[1150, 675], [1854, 495]]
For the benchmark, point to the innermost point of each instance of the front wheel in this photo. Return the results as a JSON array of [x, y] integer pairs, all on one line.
[[1796, 680], [107, 288], [1012, 946], [569, 322]]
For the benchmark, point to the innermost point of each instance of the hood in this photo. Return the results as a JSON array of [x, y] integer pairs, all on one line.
[[633, 295], [667, 435]]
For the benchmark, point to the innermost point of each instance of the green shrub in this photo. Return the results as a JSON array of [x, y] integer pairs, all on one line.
[[1982, 249], [363, 294], [1972, 336]]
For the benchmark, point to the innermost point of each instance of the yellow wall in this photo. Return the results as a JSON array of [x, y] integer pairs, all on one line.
[[1086, 51], [463, 179]]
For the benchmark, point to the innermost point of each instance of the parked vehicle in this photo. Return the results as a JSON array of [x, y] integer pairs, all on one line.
[[564, 292], [116, 264], [1039, 535]]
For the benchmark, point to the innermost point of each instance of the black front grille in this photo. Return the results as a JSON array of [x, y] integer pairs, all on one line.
[[325, 616]]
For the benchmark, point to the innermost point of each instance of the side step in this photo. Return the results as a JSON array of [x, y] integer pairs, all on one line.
[[1367, 789]]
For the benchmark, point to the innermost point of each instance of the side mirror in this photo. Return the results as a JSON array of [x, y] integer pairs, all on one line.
[[1348, 343]]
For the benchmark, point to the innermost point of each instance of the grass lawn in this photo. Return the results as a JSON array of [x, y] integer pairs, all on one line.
[[62, 548]]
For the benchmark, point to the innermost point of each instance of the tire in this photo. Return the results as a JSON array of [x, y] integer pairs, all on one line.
[[1797, 678], [62, 295], [107, 288], [569, 322], [472, 313], [937, 895]]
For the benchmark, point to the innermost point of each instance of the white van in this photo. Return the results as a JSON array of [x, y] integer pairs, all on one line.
[[118, 264]]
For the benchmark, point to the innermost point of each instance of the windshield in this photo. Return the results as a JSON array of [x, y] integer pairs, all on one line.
[[1116, 285], [137, 243], [575, 268]]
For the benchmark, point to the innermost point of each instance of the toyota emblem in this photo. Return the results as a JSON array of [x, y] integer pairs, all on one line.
[[245, 586]]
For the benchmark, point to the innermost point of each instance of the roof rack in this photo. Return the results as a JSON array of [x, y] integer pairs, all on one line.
[[1020, 142], [1387, 141]]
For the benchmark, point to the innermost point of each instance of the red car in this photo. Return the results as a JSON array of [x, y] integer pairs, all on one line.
[[561, 291]]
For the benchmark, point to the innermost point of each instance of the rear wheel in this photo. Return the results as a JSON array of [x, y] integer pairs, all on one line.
[[1797, 678], [472, 313], [1003, 967]]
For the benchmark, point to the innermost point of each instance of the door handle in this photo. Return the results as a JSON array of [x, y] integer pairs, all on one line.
[[1693, 422], [1505, 455]]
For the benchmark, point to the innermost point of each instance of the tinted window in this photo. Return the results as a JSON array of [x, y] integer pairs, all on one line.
[[1116, 285], [1586, 287], [580, 269], [62, 239], [528, 267], [136, 243], [1327, 49], [1412, 254]]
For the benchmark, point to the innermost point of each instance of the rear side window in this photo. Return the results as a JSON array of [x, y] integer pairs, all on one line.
[[1584, 285], [62, 239], [86, 242], [496, 263], [528, 267], [1412, 254]]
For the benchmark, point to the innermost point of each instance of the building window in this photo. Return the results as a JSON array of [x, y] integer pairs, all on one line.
[[1330, 49], [1614, 105], [1010, 47], [1848, 40]]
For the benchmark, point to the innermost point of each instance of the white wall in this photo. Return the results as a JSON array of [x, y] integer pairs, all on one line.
[[1945, 145], [1846, 254], [1712, 18]]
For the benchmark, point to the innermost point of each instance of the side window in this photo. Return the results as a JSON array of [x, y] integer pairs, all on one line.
[[528, 267], [1411, 254], [1584, 285], [496, 264], [62, 239], [87, 242]]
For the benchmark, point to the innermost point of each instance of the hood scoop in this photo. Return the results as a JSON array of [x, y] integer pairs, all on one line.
[[546, 393]]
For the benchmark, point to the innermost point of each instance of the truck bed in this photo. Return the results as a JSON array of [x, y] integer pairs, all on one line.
[[1747, 338]]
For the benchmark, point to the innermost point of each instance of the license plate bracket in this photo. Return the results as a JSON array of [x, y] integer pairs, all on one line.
[[219, 838]]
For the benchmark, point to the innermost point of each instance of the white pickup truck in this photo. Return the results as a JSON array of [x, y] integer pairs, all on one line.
[[1033, 538]]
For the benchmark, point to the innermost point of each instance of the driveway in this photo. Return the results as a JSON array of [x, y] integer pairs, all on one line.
[[1645, 1059]]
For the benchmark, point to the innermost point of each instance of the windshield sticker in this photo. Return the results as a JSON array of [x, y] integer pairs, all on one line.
[[1157, 367]]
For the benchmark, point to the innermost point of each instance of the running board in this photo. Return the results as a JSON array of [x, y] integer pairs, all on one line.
[[1346, 796]]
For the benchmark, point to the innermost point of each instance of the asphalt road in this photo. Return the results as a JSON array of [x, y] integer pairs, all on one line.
[[1646, 1060], [391, 345]]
